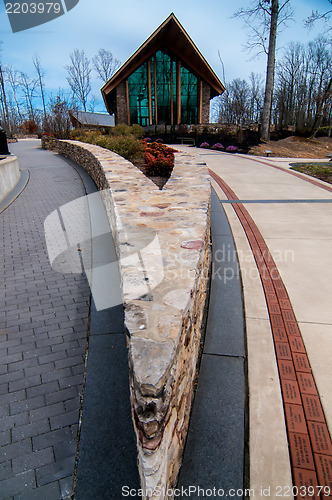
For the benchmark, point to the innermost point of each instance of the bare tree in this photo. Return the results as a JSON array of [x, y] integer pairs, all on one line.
[[58, 119], [13, 78], [233, 107], [263, 18], [79, 76], [320, 16], [105, 64], [4, 101], [40, 73], [4, 98], [28, 86], [256, 96], [303, 87]]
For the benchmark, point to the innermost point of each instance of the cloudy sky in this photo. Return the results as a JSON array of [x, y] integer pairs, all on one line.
[[121, 27]]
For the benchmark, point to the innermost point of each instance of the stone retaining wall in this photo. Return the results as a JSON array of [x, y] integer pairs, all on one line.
[[9, 175], [163, 245]]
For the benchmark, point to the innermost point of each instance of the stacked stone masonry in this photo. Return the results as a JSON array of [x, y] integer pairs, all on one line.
[[206, 96], [121, 115], [162, 239]]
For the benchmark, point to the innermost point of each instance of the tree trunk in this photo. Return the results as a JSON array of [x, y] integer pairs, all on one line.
[[266, 115], [320, 111], [5, 103]]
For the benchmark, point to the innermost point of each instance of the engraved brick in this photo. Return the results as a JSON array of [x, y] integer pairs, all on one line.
[[285, 303], [296, 344], [276, 321], [279, 334], [286, 369], [273, 307], [320, 438], [288, 315], [300, 450], [295, 418], [306, 383], [281, 293], [301, 362], [283, 350], [267, 284], [306, 482], [271, 297], [290, 391], [292, 328], [324, 470], [277, 281], [313, 408]]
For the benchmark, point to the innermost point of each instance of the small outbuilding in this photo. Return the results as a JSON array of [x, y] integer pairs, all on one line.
[[166, 81], [84, 119]]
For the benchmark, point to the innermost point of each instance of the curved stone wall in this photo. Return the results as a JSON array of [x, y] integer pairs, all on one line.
[[163, 244]]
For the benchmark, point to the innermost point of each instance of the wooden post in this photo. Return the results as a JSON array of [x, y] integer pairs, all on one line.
[[127, 99], [200, 101], [155, 91], [172, 107], [149, 92], [178, 91]]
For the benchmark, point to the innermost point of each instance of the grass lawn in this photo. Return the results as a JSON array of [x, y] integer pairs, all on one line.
[[321, 170]]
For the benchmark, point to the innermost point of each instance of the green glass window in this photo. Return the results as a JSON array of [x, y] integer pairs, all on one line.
[[138, 96], [189, 97], [163, 71], [163, 98]]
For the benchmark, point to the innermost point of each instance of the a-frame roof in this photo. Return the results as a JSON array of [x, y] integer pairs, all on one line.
[[172, 38]]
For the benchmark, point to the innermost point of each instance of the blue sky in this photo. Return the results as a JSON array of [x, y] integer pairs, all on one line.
[[122, 26]]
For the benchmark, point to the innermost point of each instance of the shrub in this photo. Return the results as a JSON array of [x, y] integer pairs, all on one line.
[[205, 145], [159, 159], [125, 130], [137, 131], [29, 127], [124, 145], [127, 146], [231, 149], [159, 141], [218, 146], [77, 134]]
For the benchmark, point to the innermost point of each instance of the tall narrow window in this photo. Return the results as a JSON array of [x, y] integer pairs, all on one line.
[[189, 97], [138, 96], [163, 88]]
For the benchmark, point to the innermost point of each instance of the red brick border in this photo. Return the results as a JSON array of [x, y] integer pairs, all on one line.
[[308, 437]]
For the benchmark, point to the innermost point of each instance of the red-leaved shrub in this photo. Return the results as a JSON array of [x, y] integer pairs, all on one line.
[[159, 159]]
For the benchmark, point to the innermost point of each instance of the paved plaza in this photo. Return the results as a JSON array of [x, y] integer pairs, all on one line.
[[262, 415]]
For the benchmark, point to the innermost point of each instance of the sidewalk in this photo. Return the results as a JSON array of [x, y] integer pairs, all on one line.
[[293, 216], [43, 329]]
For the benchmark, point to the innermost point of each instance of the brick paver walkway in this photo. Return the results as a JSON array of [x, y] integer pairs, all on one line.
[[43, 324]]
